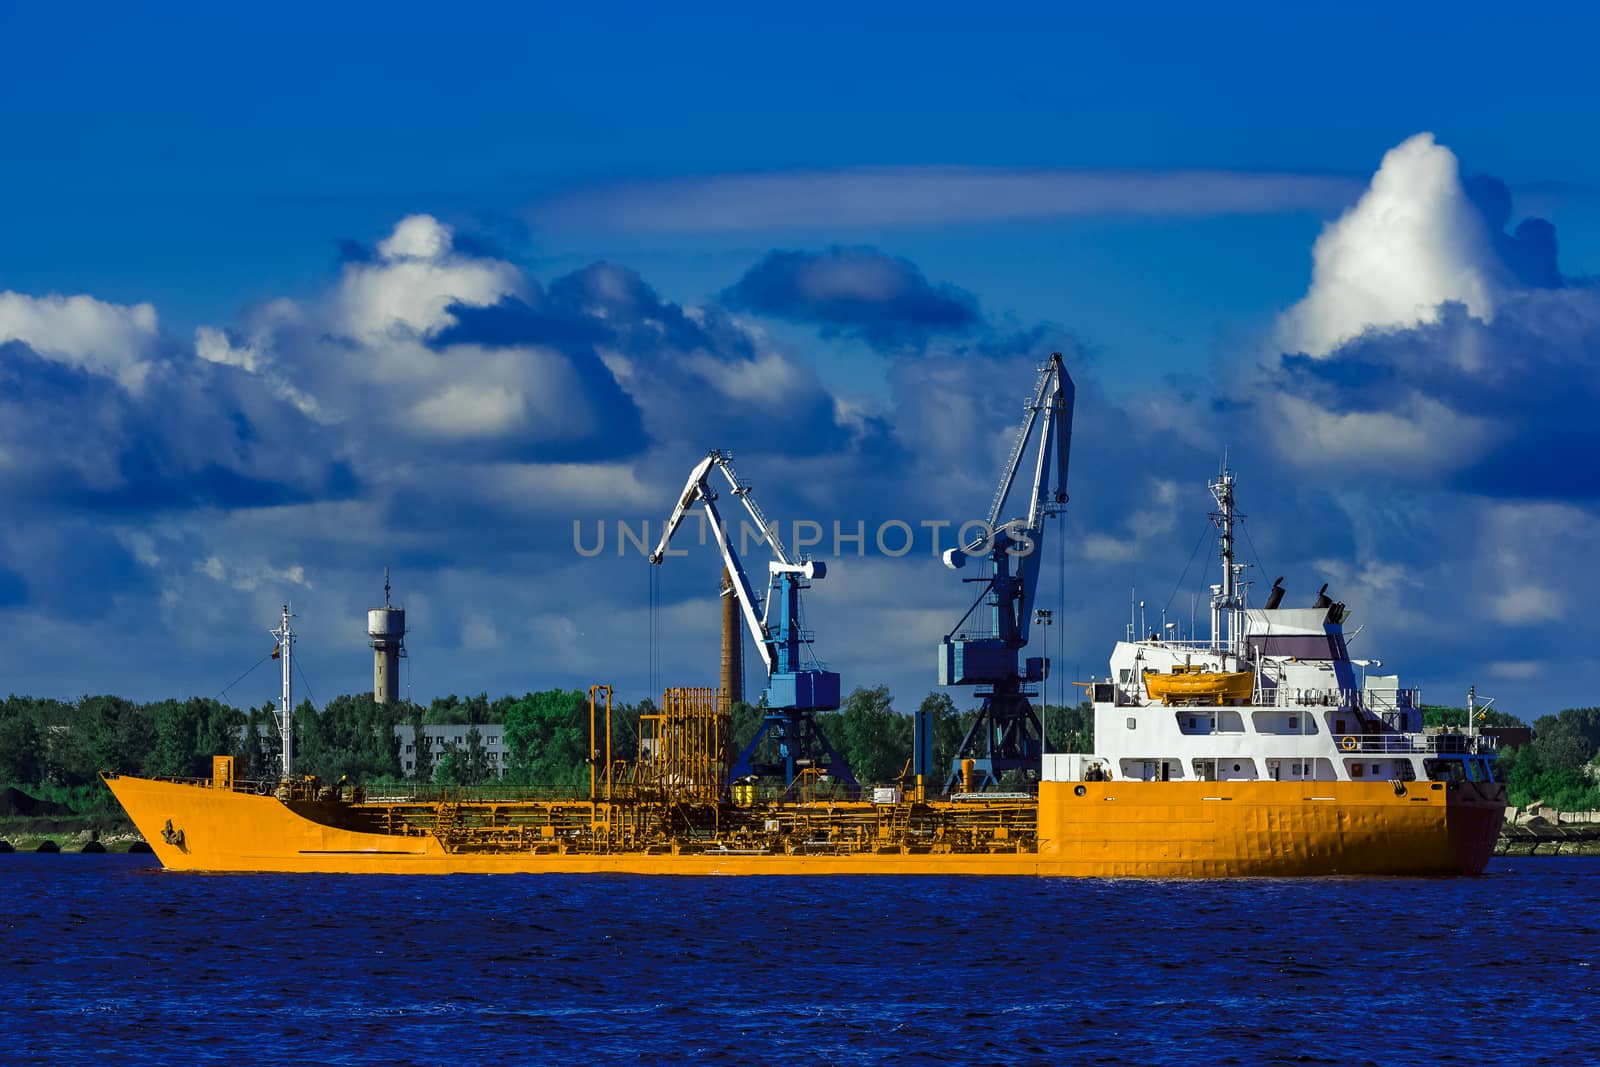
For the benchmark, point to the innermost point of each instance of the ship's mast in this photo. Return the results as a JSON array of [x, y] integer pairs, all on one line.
[[285, 638], [1226, 603]]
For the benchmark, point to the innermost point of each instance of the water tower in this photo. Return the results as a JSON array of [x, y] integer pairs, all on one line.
[[386, 627]]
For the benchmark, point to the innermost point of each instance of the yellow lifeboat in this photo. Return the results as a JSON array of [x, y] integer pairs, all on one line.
[[1186, 684]]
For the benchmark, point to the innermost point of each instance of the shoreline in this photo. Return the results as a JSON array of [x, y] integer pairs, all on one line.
[[69, 833], [1538, 837]]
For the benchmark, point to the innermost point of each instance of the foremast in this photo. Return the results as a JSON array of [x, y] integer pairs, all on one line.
[[285, 652]]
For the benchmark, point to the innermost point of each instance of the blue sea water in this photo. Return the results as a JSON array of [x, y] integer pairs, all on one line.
[[107, 957]]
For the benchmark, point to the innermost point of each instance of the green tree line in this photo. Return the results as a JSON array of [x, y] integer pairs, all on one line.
[[57, 748], [1558, 767]]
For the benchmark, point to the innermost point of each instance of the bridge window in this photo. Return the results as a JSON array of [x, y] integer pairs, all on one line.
[[1445, 770], [1281, 722]]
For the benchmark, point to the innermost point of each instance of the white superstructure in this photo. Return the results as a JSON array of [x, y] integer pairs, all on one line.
[[1271, 693]]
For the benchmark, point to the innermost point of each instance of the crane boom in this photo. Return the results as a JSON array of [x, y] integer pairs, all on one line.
[[695, 490], [987, 655], [769, 530], [794, 691]]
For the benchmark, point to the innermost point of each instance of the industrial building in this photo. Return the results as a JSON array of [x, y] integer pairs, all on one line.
[[440, 739]]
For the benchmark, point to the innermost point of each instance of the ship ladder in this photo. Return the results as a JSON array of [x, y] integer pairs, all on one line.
[[897, 831], [445, 823]]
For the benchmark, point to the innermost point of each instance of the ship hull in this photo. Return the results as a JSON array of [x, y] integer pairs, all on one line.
[[1267, 829], [1109, 829]]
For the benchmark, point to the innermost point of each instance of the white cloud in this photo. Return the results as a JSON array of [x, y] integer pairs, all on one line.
[[364, 359], [1412, 242], [1525, 604], [248, 577], [465, 410], [1424, 438], [108, 339], [1520, 670], [1443, 347], [254, 357], [756, 381], [1531, 555], [1104, 549], [887, 196], [524, 487], [479, 632], [213, 346], [1145, 526], [417, 237], [415, 279]]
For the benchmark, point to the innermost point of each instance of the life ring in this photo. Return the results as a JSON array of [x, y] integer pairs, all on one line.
[[1348, 743]]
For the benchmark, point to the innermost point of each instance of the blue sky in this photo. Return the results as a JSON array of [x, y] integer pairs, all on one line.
[[283, 301]]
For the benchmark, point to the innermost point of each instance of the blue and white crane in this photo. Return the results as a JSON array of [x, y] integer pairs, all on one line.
[[795, 692], [1008, 734]]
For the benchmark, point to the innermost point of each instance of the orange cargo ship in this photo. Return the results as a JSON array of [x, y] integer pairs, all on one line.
[[1097, 829], [1307, 770]]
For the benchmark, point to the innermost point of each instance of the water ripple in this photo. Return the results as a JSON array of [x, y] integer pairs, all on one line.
[[113, 957]]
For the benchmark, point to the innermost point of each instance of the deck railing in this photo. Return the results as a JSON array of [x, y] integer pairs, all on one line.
[[1417, 744]]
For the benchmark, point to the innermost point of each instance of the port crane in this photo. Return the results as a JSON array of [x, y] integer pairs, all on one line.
[[1007, 733], [795, 692]]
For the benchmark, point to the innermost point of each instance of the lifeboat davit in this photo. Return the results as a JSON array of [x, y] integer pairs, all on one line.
[[1191, 684]]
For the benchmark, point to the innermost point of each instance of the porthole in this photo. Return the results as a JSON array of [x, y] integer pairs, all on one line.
[[1236, 768], [1079, 791], [1133, 724]]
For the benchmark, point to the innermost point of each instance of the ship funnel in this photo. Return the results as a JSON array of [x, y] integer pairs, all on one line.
[[1275, 594], [1323, 599]]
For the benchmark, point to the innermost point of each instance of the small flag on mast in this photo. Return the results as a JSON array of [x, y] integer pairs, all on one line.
[[276, 649]]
